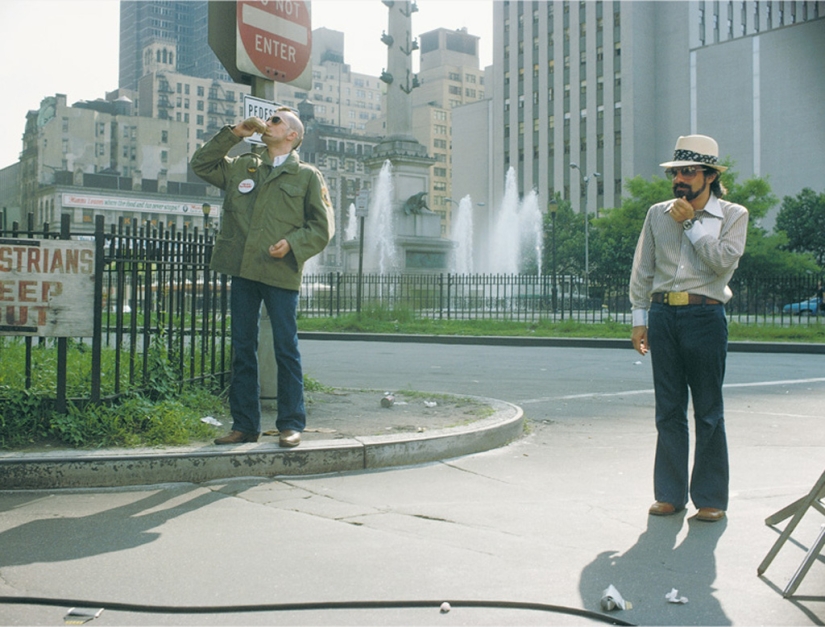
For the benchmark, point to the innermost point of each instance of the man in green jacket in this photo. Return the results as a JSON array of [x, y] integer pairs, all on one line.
[[276, 215]]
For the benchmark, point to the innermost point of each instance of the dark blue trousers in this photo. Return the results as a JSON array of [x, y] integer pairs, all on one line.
[[688, 348], [245, 393]]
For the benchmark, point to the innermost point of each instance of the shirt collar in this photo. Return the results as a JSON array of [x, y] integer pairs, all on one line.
[[279, 160], [713, 207]]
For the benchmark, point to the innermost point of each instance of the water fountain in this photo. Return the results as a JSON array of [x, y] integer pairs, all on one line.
[[516, 242], [380, 250], [351, 230], [463, 237]]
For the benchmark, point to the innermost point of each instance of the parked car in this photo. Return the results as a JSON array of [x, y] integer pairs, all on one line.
[[810, 307]]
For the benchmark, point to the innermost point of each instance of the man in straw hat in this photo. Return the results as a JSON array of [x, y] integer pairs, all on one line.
[[686, 255]]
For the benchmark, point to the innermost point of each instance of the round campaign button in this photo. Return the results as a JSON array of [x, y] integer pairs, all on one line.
[[246, 186]]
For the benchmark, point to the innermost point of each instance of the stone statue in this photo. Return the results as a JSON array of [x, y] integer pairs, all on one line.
[[416, 204]]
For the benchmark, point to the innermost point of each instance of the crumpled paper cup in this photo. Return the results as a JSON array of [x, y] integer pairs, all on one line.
[[612, 600]]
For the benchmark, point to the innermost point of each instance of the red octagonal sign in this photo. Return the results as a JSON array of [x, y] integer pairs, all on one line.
[[274, 38]]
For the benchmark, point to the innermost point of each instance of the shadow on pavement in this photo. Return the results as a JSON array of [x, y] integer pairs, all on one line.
[[649, 569]]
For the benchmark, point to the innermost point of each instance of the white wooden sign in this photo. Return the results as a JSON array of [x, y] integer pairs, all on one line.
[[47, 287]]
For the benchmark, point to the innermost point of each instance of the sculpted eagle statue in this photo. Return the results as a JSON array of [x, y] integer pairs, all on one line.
[[416, 204]]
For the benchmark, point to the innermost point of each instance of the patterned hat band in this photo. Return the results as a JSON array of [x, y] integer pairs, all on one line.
[[689, 155]]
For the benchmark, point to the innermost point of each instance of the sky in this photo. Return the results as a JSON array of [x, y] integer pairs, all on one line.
[[71, 47]]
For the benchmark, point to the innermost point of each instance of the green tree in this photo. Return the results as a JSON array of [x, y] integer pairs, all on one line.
[[569, 240], [802, 219], [765, 254], [614, 235]]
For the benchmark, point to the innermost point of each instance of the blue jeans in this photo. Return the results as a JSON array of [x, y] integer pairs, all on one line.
[[688, 348], [244, 393]]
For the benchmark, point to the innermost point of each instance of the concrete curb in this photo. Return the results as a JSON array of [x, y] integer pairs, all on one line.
[[562, 342], [109, 468]]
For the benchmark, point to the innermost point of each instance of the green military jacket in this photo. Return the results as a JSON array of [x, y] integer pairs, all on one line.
[[263, 205]]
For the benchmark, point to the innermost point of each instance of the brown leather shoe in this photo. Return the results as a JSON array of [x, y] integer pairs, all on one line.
[[661, 509], [710, 514], [237, 437], [289, 438]]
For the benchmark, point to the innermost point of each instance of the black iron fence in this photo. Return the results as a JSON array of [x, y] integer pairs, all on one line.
[[158, 304], [779, 300]]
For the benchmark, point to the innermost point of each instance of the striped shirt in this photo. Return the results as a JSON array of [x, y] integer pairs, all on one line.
[[699, 261]]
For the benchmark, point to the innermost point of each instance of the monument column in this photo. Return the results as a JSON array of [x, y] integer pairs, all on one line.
[[418, 242]]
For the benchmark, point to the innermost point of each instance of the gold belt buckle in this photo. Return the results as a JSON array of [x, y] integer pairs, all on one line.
[[678, 298]]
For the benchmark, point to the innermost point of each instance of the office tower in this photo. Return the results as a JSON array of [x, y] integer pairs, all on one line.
[[182, 25]]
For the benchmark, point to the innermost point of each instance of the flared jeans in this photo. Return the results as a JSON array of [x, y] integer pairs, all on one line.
[[688, 347]]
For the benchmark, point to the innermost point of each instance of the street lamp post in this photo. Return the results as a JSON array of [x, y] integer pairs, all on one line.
[[553, 208], [207, 209], [585, 184]]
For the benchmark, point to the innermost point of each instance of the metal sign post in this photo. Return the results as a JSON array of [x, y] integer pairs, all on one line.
[[362, 203]]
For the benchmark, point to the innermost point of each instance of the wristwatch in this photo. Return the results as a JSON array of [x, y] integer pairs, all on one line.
[[687, 224]]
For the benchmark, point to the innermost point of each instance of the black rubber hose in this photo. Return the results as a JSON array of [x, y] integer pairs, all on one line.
[[293, 607]]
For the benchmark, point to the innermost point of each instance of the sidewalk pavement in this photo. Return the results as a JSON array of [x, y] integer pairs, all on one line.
[[554, 518], [346, 430]]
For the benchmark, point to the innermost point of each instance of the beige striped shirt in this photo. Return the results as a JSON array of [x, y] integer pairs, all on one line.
[[699, 261]]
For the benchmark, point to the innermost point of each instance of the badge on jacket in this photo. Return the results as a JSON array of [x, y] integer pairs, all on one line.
[[246, 186], [325, 196]]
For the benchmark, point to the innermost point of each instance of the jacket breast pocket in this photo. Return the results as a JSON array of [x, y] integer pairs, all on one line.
[[291, 210]]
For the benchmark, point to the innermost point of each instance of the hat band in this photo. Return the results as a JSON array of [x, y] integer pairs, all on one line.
[[689, 155]]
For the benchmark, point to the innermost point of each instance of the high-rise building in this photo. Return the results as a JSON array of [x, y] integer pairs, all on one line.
[[99, 158], [177, 30], [449, 77], [609, 86]]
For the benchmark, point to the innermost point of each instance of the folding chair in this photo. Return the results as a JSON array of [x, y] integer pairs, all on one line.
[[796, 511]]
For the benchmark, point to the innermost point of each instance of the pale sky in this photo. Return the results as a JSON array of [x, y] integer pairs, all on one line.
[[71, 47]]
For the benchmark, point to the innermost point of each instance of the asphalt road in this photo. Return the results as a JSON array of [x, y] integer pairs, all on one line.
[[549, 383], [553, 518]]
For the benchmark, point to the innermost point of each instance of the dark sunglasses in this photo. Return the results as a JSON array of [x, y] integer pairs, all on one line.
[[276, 119], [687, 172]]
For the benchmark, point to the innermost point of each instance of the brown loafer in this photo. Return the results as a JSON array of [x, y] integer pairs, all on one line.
[[710, 514], [237, 437], [289, 438], [661, 509]]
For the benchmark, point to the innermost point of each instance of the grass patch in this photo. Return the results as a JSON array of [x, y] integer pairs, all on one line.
[[383, 322]]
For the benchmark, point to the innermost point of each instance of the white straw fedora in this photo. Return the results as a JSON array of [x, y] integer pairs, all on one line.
[[695, 150]]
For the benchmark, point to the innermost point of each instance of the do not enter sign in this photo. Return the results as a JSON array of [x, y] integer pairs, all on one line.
[[274, 38]]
